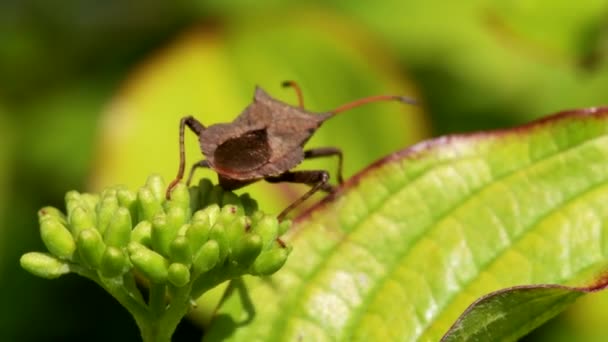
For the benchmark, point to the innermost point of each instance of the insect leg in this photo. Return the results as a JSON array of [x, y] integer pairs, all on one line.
[[326, 152], [317, 179], [202, 163], [295, 86], [196, 127]]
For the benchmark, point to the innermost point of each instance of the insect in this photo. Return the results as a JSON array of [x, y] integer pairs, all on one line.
[[265, 142]]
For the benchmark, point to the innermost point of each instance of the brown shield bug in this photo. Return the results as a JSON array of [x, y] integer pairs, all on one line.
[[265, 142]]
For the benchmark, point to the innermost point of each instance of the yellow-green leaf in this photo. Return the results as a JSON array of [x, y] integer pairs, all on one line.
[[406, 246]]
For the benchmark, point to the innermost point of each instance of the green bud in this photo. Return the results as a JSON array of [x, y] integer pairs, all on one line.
[[227, 214], [269, 262], [207, 257], [44, 265], [268, 228], [113, 262], [72, 200], [156, 185], [176, 217], [208, 215], [197, 234], [218, 233], [235, 231], [127, 199], [162, 234], [180, 197], [105, 212], [257, 217], [57, 238], [118, 233], [204, 190], [52, 212], [118, 188], [149, 206], [180, 251], [90, 201], [151, 264], [249, 205], [178, 274], [72, 195], [183, 229], [200, 215], [109, 192], [134, 247], [80, 219], [91, 247], [214, 213], [247, 250], [142, 233]]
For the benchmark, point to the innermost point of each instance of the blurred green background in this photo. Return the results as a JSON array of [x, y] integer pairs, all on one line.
[[91, 94]]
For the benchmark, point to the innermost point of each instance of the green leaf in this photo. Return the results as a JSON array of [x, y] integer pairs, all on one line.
[[402, 249], [507, 315]]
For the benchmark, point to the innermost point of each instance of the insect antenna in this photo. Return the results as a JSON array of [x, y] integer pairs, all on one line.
[[371, 99], [296, 87]]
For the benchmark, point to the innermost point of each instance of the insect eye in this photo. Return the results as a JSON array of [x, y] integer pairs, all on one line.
[[245, 152]]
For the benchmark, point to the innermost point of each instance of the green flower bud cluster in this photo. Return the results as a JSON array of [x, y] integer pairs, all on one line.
[[199, 238]]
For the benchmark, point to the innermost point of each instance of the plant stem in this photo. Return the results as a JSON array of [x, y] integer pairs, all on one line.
[[156, 303], [160, 325]]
